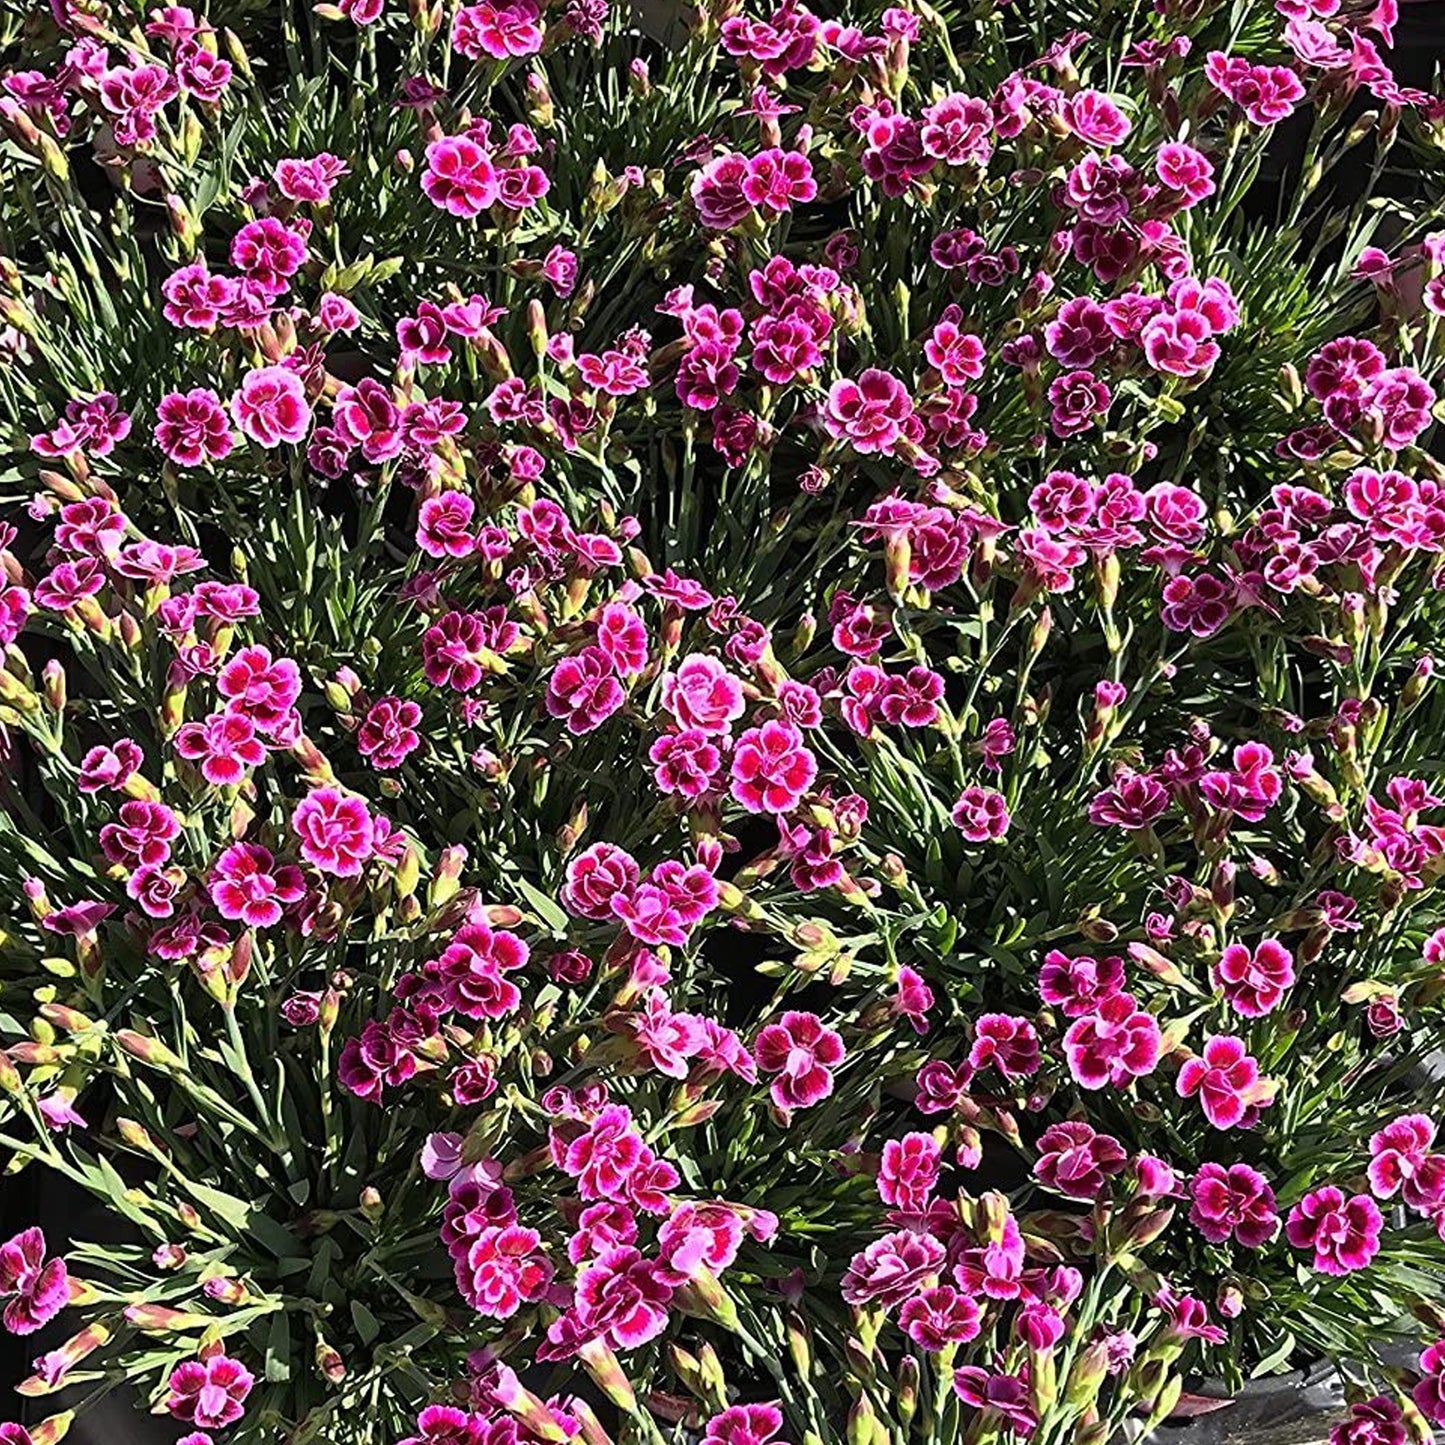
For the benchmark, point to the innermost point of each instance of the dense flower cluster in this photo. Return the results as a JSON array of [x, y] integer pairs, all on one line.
[[733, 739]]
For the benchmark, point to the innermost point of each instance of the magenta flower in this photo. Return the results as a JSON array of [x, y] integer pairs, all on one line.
[[192, 427], [502, 1269], [1227, 1081], [703, 694], [1078, 986], [1429, 1393], [225, 746], [802, 1053], [1237, 1202], [33, 1288], [388, 733], [1200, 604], [336, 832], [1076, 1160], [981, 814], [1255, 983], [1007, 1041], [772, 768], [500, 31], [1401, 1163], [1116, 1043], [870, 413], [1343, 1233], [1004, 1395], [248, 884], [893, 1269], [744, 1425], [622, 1297], [460, 176], [210, 1393], [938, 1317], [908, 1170], [1378, 1421], [271, 406], [583, 690], [143, 833]]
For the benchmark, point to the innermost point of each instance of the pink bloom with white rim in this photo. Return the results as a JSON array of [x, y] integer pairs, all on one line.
[[1343, 1233], [248, 884], [34, 1290], [1255, 982], [869, 413], [772, 768], [336, 831], [1114, 1044], [271, 406], [1227, 1080], [211, 1393], [1401, 1162], [981, 814]]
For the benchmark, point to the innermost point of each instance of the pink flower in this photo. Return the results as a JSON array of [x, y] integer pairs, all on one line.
[[247, 884], [502, 1269], [717, 192], [192, 427], [1429, 1393], [1255, 983], [210, 1393], [777, 180], [938, 1317], [225, 745], [1005, 1395], [1227, 1081], [1079, 985], [604, 1157], [142, 834], [269, 252], [471, 970], [703, 694], [699, 1236], [622, 1297], [336, 832], [1378, 1421], [772, 768], [501, 31], [1200, 604], [685, 762], [744, 1425], [1009, 1042], [1401, 1163], [110, 767], [1118, 1042], [271, 406], [460, 176], [870, 412], [981, 814], [908, 1170], [1235, 1201], [1076, 1161], [1133, 801], [1180, 343], [893, 1269], [802, 1053], [595, 877], [1186, 170], [387, 735], [1343, 1233], [33, 1288], [622, 638], [583, 690]]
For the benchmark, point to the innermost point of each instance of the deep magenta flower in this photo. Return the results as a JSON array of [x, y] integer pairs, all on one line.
[[803, 1053], [1005, 1395], [336, 832], [388, 733], [192, 427], [1343, 1233], [1236, 1201], [1227, 1081], [143, 833], [981, 814], [703, 694], [1076, 1160], [271, 406], [1079, 985], [1255, 982], [34, 1289], [908, 1171], [869, 413], [502, 32], [1378, 1421], [1114, 1044], [224, 745], [596, 876], [938, 1317], [893, 1269], [210, 1393], [1429, 1392]]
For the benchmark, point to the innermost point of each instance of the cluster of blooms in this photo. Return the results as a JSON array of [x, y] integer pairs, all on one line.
[[970, 925]]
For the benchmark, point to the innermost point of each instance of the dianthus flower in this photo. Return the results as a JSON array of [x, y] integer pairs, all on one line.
[[803, 1053], [248, 884], [336, 832], [502, 1269], [33, 1288], [1255, 982], [1401, 1163], [622, 1297], [1076, 1160], [210, 1393], [1227, 1081], [271, 406], [388, 733], [460, 176], [772, 768], [893, 1269], [1236, 1201], [1115, 1043], [981, 814], [1343, 1233]]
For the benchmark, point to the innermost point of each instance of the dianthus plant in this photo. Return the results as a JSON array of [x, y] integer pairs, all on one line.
[[730, 740]]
